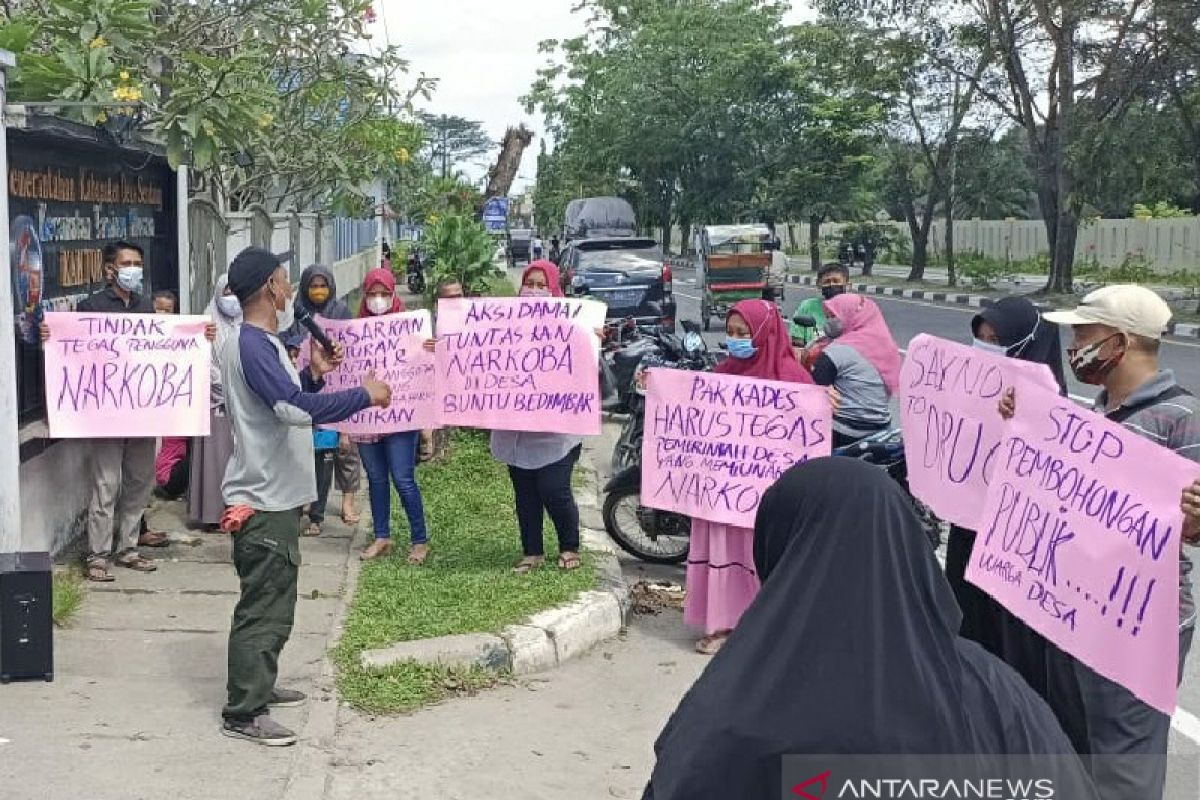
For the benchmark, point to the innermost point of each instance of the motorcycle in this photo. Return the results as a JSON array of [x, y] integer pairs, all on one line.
[[415, 273], [659, 537]]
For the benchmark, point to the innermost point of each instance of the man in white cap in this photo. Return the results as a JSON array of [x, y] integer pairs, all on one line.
[[1116, 332]]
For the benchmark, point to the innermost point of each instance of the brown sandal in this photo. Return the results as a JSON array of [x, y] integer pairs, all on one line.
[[135, 562], [709, 645], [153, 539], [528, 564], [417, 554], [97, 571], [313, 529], [569, 561]]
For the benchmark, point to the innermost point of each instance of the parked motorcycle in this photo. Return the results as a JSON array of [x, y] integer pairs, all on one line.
[[415, 272], [660, 537]]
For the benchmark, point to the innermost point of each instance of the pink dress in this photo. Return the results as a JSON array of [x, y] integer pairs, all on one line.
[[721, 580]]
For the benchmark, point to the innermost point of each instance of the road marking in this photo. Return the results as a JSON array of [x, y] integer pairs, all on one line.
[[689, 296], [1186, 724]]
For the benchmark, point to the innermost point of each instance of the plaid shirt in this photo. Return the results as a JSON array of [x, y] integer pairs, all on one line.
[[1173, 423]]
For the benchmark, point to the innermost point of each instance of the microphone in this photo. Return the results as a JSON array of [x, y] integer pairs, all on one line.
[[306, 319]]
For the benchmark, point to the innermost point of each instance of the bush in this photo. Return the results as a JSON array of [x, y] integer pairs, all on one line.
[[983, 271], [459, 247]]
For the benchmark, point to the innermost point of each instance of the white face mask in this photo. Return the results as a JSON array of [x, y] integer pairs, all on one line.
[[130, 278], [378, 304], [229, 306], [989, 347], [287, 316]]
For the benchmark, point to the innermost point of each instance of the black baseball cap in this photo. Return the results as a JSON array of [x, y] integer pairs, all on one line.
[[251, 268]]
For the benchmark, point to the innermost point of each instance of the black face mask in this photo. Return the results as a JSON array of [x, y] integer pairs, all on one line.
[[830, 292]]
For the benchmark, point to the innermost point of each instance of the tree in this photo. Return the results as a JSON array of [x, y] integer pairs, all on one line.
[[1064, 68], [268, 101], [502, 174], [452, 141]]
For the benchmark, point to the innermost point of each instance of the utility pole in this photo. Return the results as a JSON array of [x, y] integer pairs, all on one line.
[[10, 455]]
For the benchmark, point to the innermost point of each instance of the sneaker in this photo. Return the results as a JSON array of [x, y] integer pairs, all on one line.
[[262, 729], [286, 698]]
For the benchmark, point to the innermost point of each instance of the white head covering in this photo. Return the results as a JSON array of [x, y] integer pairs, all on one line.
[[226, 327]]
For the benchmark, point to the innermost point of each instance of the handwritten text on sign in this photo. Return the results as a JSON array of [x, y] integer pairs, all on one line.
[[949, 395], [1080, 538], [391, 346], [127, 375], [714, 443], [520, 364]]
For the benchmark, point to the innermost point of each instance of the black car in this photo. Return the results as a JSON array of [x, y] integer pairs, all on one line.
[[628, 274]]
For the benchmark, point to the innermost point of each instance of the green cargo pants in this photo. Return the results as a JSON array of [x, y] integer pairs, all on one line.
[[266, 554]]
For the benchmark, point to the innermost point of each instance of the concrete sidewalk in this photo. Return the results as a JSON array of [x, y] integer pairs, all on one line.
[[134, 711]]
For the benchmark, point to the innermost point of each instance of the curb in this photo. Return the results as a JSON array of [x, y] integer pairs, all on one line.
[[548, 638], [1185, 330]]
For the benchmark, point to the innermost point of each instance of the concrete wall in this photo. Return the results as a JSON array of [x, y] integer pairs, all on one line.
[[55, 489], [1168, 244]]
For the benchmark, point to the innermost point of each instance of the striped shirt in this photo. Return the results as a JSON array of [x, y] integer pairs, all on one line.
[[1173, 423]]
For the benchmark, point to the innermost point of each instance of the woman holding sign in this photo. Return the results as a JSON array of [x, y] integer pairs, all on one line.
[[721, 581], [1011, 327], [540, 464], [392, 458]]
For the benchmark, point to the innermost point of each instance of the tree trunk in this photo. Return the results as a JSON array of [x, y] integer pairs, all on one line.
[[814, 241], [685, 236], [919, 230], [791, 228]]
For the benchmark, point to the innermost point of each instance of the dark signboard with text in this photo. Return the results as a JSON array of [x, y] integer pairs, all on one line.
[[71, 192]]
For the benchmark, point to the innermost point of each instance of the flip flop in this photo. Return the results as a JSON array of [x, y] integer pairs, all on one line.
[[97, 572], [313, 529], [136, 563], [569, 561], [527, 565], [153, 539]]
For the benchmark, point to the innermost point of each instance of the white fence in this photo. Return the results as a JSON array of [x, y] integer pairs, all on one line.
[[1168, 244]]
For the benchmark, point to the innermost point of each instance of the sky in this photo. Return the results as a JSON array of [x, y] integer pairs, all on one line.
[[485, 55]]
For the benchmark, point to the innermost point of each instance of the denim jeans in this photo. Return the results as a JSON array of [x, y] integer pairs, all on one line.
[[547, 491], [394, 457]]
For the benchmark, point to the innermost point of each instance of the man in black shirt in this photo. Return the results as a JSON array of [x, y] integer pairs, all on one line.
[[122, 470]]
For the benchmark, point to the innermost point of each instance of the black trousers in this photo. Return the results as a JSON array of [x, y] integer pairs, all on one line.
[[547, 491]]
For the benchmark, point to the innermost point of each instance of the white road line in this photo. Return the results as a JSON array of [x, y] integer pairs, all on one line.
[[1186, 724]]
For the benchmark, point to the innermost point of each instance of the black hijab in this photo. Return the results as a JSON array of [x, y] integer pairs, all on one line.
[[1021, 328], [851, 647]]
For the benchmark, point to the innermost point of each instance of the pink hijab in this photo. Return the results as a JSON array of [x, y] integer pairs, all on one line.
[[864, 329], [774, 359], [385, 278], [551, 273]]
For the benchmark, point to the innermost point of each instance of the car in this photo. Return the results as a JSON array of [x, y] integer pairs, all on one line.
[[520, 241], [629, 274]]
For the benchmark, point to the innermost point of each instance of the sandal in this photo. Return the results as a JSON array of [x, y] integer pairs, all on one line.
[[135, 562], [153, 539], [377, 549], [426, 451], [313, 529], [350, 517], [709, 645], [569, 561], [97, 571], [528, 564], [417, 554]]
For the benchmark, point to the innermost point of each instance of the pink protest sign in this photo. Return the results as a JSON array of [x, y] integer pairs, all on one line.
[[1080, 538], [520, 364], [714, 443], [391, 346], [949, 394], [127, 375]]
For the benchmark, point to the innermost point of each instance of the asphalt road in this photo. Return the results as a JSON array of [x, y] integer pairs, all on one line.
[[907, 318]]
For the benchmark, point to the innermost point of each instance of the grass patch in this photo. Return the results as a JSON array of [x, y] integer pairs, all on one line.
[[67, 596], [466, 586]]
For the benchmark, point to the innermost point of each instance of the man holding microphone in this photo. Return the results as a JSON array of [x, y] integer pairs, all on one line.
[[269, 478]]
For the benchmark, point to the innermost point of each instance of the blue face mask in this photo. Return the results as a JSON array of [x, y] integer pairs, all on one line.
[[740, 348]]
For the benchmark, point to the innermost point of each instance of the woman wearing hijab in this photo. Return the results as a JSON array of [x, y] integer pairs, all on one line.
[[391, 458], [721, 581], [1011, 327], [318, 296], [851, 647], [210, 454], [540, 464], [862, 362]]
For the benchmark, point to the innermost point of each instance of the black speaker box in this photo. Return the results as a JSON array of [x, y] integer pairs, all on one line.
[[26, 617]]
